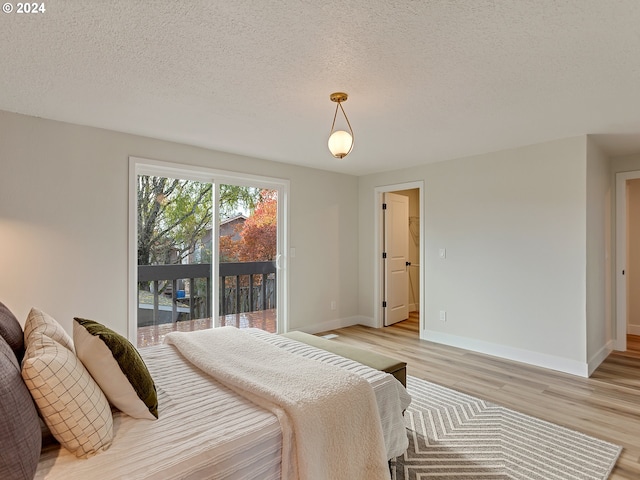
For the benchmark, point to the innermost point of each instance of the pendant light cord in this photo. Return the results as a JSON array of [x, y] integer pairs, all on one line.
[[339, 104]]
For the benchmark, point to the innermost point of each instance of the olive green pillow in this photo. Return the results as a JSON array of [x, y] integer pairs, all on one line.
[[117, 368]]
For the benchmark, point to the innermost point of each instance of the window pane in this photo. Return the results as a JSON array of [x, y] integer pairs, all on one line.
[[247, 250], [174, 254]]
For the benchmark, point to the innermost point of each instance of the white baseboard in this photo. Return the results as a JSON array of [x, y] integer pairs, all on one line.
[[552, 362], [333, 324], [633, 329], [367, 322], [599, 357]]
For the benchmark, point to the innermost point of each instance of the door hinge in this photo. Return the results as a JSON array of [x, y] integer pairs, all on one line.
[[384, 304], [384, 254], [384, 206]]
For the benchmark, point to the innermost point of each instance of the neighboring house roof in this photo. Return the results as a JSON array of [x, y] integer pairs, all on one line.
[[233, 219], [227, 228]]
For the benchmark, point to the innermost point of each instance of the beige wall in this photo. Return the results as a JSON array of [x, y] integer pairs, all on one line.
[[64, 223], [599, 308], [514, 226], [522, 229]]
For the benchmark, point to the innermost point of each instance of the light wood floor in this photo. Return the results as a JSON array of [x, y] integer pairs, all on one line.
[[606, 406]]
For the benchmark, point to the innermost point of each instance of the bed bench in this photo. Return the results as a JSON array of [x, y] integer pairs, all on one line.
[[374, 360]]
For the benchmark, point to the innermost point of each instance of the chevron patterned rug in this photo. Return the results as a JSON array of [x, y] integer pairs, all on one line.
[[456, 436]]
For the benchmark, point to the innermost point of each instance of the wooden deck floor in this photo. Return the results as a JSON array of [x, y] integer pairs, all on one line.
[[606, 406], [154, 335]]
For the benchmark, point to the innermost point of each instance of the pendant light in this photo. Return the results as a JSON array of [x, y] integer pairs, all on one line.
[[340, 141]]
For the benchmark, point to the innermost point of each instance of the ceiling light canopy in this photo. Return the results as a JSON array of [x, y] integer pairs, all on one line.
[[340, 141]]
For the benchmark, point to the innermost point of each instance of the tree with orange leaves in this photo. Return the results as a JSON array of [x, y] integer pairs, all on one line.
[[259, 233]]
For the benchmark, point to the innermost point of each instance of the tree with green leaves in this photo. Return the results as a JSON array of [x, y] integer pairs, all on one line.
[[174, 215], [234, 197]]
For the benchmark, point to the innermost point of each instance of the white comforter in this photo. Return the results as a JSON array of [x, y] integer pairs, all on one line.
[[206, 431], [325, 412]]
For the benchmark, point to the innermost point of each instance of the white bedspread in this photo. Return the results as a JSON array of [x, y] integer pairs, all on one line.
[[206, 431], [392, 398], [325, 412]]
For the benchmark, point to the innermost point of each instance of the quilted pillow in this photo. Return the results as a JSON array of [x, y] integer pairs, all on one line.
[[11, 331], [20, 435], [40, 322], [70, 402], [117, 367]]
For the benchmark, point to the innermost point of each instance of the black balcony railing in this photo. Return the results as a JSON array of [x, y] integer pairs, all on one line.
[[171, 293], [247, 287]]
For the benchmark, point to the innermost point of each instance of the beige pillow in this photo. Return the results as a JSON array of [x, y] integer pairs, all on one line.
[[69, 400], [40, 322], [117, 367]]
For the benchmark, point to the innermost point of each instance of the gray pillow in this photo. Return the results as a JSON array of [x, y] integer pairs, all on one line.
[[20, 433], [11, 331]]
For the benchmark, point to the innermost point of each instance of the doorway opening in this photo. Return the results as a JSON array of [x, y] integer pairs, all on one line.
[[627, 256], [399, 245]]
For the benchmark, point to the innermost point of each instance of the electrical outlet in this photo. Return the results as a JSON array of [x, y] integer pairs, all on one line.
[[443, 316], [333, 305]]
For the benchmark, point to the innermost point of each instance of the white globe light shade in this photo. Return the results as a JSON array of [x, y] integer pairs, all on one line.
[[340, 143]]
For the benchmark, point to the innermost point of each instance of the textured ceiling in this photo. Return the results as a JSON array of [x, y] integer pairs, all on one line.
[[427, 80]]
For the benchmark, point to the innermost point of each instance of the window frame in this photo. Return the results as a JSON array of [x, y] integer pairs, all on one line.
[[144, 166]]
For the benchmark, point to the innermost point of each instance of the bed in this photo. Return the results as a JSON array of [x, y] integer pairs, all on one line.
[[205, 429]]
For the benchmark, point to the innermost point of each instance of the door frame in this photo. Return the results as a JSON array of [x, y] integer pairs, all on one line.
[[621, 256], [144, 166], [378, 310]]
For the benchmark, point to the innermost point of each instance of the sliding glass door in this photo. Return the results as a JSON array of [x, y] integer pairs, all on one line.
[[248, 256], [208, 249]]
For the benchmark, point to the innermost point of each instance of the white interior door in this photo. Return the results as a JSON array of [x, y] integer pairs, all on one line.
[[622, 250], [396, 248]]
